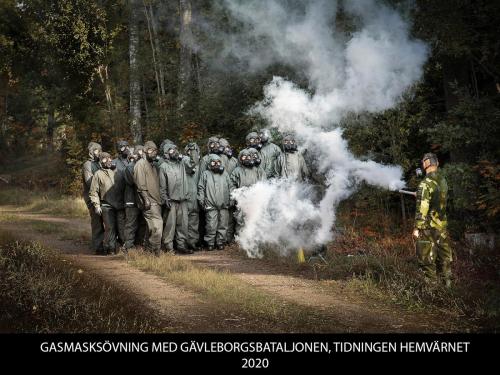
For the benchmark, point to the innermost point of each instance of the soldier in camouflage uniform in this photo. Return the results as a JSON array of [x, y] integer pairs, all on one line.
[[433, 249]]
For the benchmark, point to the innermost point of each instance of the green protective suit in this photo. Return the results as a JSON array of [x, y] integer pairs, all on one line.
[[291, 165], [433, 249], [204, 160], [229, 163], [269, 153], [214, 198], [147, 182], [121, 165], [90, 167], [106, 192], [244, 176], [135, 226], [175, 194], [193, 175]]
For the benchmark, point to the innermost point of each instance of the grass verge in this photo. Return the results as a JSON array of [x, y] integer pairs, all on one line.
[[49, 202], [232, 295], [40, 292], [382, 264]]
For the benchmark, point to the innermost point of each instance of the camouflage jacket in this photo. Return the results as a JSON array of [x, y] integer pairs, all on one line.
[[432, 195]]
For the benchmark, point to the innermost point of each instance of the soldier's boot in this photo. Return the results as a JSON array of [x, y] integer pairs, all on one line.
[[445, 271]]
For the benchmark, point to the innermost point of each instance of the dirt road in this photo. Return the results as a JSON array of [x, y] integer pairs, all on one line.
[[190, 311]]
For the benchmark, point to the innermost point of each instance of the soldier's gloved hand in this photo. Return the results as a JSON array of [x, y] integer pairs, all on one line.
[[98, 210], [416, 233], [168, 203], [145, 200]]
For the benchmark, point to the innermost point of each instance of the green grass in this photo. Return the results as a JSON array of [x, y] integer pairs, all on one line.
[[231, 294], [42, 292], [386, 268], [49, 202]]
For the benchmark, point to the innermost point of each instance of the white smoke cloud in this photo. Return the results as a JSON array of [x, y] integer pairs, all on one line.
[[367, 71]]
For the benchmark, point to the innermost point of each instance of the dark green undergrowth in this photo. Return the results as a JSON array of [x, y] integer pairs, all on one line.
[[40, 292], [378, 259]]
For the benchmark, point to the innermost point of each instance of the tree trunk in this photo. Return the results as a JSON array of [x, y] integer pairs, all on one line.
[[51, 125], [134, 76], [156, 39], [187, 97], [153, 49], [3, 111]]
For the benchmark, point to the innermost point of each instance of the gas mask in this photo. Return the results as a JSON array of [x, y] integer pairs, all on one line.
[[132, 156], [193, 152], [151, 154], [216, 166], [256, 160], [228, 151], [254, 142], [289, 145], [106, 162], [123, 149], [214, 147], [247, 161], [173, 154], [96, 152]]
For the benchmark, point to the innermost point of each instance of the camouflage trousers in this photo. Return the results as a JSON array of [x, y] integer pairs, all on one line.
[[434, 254]]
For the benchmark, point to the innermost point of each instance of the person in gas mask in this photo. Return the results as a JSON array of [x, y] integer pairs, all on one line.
[[246, 174], [269, 153], [291, 163], [147, 182], [160, 158], [257, 162], [193, 236], [90, 167], [229, 162], [174, 192], [107, 198], [433, 249], [213, 148], [121, 162], [213, 197], [135, 226], [252, 140]]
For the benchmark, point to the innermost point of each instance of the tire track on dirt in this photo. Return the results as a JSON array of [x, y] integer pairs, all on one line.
[[193, 313]]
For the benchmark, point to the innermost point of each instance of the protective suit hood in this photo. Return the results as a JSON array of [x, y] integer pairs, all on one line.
[[93, 146], [215, 158], [121, 143], [289, 147], [256, 140], [212, 140]]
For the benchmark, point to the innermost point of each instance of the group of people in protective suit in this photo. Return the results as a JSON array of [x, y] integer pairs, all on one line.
[[163, 199]]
